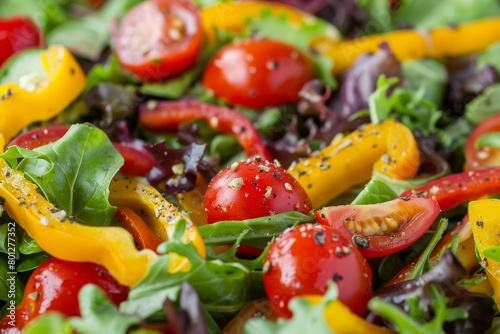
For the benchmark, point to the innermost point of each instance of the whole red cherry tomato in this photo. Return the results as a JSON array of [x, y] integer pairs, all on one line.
[[253, 188], [305, 258], [384, 228], [16, 34], [54, 286], [258, 73], [158, 39]]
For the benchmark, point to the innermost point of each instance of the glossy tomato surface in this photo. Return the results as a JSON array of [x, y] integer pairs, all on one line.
[[16, 34], [39, 137], [258, 73], [305, 258], [253, 188], [385, 228], [158, 39], [482, 157], [54, 286]]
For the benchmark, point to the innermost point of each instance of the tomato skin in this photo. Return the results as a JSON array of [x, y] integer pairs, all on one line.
[[158, 39], [258, 73], [16, 34], [477, 158], [54, 286], [413, 217], [252, 189], [305, 258], [39, 137]]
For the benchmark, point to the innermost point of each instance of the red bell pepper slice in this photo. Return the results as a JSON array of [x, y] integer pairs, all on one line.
[[452, 190], [141, 232], [168, 115]]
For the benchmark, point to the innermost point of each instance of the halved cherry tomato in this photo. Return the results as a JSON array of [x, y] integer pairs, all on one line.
[[305, 258], [143, 235], [476, 158], [253, 188], [384, 228], [452, 190], [16, 34], [258, 73], [137, 160], [159, 39], [54, 286]]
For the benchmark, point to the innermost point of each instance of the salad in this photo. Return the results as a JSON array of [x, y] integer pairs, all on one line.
[[219, 166]]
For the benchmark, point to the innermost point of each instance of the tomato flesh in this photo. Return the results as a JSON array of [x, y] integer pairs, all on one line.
[[258, 73], [305, 258], [16, 34], [159, 39], [385, 228]]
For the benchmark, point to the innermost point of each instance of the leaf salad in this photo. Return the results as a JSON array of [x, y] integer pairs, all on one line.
[[224, 166]]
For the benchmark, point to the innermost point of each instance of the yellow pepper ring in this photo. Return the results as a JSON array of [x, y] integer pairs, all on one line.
[[388, 147], [19, 107], [160, 215], [111, 247]]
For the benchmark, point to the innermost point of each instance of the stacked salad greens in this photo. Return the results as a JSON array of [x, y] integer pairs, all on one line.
[[441, 100]]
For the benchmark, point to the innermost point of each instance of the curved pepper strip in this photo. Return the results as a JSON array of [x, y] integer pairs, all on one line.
[[452, 190], [231, 16], [19, 107], [485, 222], [167, 116], [143, 236], [388, 147], [111, 247], [342, 320], [412, 44], [160, 215]]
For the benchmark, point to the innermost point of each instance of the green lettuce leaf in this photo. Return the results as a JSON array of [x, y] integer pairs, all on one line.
[[483, 106], [374, 192]]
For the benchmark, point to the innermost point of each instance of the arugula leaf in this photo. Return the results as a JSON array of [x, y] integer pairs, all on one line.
[[88, 36], [222, 287], [112, 71], [5, 283], [260, 230], [483, 106], [427, 74], [405, 323], [99, 314], [74, 172], [28, 245], [51, 322], [300, 36], [374, 192], [489, 57], [30, 262], [307, 318]]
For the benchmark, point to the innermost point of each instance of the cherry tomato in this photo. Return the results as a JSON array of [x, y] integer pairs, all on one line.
[[158, 39], [305, 258], [476, 158], [16, 34], [258, 73], [385, 228], [253, 188], [54, 286], [137, 160]]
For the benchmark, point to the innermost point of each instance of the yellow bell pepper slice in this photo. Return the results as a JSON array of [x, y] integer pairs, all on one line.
[[160, 215], [413, 44], [485, 222], [342, 320], [231, 16], [388, 147], [21, 106]]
